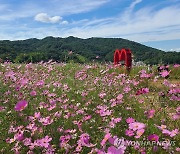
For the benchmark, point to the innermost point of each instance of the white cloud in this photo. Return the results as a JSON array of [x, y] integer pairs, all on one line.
[[145, 24], [43, 17], [176, 49], [128, 12], [133, 4], [64, 22], [26, 9], [76, 6]]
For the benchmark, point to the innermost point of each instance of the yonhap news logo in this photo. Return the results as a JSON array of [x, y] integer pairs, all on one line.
[[120, 143]]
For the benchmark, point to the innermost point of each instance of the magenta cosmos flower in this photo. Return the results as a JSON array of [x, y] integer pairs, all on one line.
[[142, 91], [85, 140], [21, 105], [153, 137]]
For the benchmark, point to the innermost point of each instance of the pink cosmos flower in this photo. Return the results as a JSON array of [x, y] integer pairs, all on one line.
[[78, 148], [27, 141], [49, 150], [161, 94], [165, 131], [52, 107], [114, 150], [51, 95], [1, 108], [87, 117], [174, 91], [84, 93], [70, 131], [114, 121], [174, 132], [135, 83], [33, 93], [139, 133], [127, 89], [81, 75], [21, 105], [23, 82], [176, 65], [37, 115], [57, 114], [112, 139], [176, 117], [85, 140], [44, 142], [46, 121], [130, 120], [129, 132], [176, 98], [102, 95], [18, 88], [64, 140], [120, 96], [153, 137], [40, 83], [19, 136], [10, 74], [136, 126], [144, 74], [142, 91], [164, 73], [178, 149], [150, 113], [106, 137], [162, 127], [103, 110], [105, 113], [79, 124]]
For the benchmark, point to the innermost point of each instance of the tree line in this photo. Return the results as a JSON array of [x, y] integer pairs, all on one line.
[[72, 49]]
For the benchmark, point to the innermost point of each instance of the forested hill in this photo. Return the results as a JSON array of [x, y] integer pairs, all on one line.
[[83, 50]]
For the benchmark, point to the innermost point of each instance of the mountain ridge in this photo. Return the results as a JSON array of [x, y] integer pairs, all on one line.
[[84, 50]]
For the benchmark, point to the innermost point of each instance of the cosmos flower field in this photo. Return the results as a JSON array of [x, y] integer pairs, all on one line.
[[93, 108]]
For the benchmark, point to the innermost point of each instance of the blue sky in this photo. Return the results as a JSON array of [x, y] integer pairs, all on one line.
[[154, 23]]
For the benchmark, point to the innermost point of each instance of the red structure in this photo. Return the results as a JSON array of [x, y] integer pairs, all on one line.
[[123, 55]]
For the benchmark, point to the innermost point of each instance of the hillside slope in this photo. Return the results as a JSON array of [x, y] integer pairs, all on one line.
[[84, 50]]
